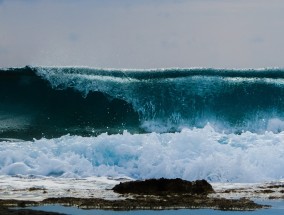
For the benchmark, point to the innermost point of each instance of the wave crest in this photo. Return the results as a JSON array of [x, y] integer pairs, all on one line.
[[163, 100]]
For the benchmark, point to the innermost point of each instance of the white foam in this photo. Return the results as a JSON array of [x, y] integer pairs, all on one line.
[[40, 188], [275, 125], [190, 154]]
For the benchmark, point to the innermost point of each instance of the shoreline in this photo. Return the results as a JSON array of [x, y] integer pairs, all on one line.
[[97, 193], [142, 202], [133, 203]]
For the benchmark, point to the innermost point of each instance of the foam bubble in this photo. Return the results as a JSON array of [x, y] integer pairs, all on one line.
[[190, 154], [275, 125]]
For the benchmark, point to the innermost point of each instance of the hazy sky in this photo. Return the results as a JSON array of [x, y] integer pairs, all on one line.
[[142, 33]]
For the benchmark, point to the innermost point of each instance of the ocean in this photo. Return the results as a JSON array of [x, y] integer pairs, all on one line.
[[222, 125]]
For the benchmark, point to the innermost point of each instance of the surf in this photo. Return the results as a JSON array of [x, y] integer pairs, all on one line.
[[54, 101], [196, 123], [190, 154]]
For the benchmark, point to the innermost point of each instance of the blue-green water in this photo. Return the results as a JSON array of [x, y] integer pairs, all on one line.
[[276, 209], [213, 124], [51, 102]]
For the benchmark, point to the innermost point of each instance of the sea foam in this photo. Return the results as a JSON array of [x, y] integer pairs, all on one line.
[[198, 153]]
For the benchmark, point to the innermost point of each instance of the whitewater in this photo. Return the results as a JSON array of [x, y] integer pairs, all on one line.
[[190, 154], [76, 123]]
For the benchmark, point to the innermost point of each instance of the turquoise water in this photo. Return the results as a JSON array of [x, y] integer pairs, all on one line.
[[189, 123], [89, 101]]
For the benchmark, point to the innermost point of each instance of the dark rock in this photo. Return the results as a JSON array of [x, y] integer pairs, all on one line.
[[161, 194], [6, 211], [137, 202], [164, 186]]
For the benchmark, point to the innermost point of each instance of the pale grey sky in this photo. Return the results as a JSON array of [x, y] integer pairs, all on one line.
[[142, 33]]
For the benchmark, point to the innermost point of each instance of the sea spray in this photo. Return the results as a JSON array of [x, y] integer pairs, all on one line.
[[190, 154], [198, 123]]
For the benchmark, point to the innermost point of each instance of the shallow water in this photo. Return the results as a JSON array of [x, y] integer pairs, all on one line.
[[276, 209]]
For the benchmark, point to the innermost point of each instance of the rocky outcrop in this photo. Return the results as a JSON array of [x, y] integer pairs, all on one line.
[[6, 211], [164, 186], [152, 194]]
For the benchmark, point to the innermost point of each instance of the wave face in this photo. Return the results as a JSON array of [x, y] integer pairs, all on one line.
[[49, 102]]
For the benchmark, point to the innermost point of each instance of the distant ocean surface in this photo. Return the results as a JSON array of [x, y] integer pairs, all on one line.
[[198, 123]]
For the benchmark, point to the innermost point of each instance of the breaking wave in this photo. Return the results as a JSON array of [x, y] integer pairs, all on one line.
[[198, 123], [190, 154], [53, 101]]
